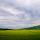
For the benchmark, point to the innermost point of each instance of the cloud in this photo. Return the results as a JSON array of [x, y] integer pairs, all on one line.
[[19, 13], [35, 12]]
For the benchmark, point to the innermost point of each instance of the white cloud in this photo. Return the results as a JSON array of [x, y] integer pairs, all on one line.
[[23, 13], [19, 17]]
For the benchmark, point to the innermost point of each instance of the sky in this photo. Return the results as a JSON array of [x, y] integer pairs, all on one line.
[[16, 14]]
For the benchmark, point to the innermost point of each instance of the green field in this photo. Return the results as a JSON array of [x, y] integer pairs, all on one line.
[[19, 34]]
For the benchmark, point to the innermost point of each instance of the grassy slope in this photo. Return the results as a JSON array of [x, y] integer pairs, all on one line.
[[19, 34]]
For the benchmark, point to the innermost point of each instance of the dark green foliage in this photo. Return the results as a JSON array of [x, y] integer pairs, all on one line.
[[35, 27], [5, 29]]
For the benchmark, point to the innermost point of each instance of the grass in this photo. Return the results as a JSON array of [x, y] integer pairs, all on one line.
[[19, 34]]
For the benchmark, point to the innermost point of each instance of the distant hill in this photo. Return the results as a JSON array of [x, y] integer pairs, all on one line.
[[35, 27]]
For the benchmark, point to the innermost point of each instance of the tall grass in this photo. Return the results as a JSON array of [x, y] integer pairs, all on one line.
[[19, 34]]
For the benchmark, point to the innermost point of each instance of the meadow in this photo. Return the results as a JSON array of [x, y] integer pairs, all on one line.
[[19, 34]]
